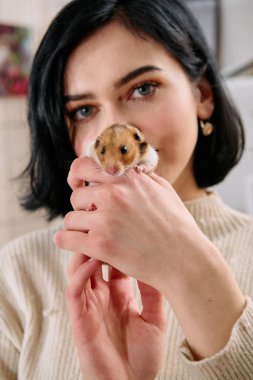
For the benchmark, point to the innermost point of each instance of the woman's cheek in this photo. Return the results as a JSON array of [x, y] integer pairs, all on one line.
[[81, 138]]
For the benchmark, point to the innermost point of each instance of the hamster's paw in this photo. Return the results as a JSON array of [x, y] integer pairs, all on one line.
[[140, 168]]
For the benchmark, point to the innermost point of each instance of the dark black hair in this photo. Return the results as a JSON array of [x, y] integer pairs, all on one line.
[[168, 22]]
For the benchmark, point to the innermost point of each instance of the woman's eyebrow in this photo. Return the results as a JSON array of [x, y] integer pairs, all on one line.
[[73, 98], [135, 73], [121, 82]]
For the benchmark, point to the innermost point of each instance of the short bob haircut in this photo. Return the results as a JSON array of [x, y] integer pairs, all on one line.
[[168, 22]]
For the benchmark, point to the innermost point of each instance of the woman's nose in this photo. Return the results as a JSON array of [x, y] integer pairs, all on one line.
[[113, 119], [116, 115]]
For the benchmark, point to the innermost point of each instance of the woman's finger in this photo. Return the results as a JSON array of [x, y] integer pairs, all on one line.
[[153, 310], [84, 198], [85, 169], [78, 284], [122, 290], [73, 241], [97, 278], [160, 180], [76, 260], [115, 274], [78, 221]]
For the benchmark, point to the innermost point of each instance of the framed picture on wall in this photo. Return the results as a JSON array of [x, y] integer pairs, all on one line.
[[15, 59]]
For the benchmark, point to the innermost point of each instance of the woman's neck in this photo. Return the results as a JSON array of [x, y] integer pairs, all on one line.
[[187, 188]]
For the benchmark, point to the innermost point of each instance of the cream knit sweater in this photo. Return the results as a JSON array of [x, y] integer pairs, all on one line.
[[35, 340]]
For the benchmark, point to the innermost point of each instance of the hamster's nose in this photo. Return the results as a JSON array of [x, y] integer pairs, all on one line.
[[112, 170]]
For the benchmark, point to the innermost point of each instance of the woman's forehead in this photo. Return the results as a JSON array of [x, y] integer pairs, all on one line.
[[114, 39], [113, 51]]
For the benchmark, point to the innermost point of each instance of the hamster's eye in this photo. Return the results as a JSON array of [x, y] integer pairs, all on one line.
[[102, 151], [123, 149]]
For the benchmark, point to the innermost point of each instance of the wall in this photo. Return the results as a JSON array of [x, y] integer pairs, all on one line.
[[14, 155], [237, 34], [14, 141], [237, 188], [35, 14]]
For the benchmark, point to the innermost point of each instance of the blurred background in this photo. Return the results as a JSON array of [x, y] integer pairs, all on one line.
[[228, 27]]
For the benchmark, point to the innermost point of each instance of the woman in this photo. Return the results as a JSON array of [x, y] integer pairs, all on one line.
[[143, 63]]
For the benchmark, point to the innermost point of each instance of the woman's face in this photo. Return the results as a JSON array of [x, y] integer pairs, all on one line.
[[118, 77]]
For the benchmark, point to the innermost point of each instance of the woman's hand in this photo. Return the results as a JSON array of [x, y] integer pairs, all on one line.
[[140, 226], [114, 340]]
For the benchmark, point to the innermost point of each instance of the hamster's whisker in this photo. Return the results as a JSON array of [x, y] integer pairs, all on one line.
[[99, 169], [125, 176]]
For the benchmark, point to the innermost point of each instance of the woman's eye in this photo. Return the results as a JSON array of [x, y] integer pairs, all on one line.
[[84, 112], [144, 90]]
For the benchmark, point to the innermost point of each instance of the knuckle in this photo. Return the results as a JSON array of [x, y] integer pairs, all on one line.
[[118, 194], [72, 198], [70, 180], [68, 219], [75, 165], [104, 243], [104, 194], [61, 239], [75, 172], [121, 197], [75, 196], [79, 164], [58, 239]]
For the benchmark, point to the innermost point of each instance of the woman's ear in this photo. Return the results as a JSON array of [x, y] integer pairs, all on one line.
[[205, 102]]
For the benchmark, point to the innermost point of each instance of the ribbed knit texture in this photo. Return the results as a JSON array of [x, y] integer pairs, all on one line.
[[35, 339]]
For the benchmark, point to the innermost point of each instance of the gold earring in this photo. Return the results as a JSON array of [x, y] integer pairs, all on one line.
[[206, 128]]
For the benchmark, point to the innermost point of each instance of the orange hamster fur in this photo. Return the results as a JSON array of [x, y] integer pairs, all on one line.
[[123, 147]]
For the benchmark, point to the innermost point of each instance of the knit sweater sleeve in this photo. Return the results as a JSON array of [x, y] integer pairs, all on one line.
[[10, 324], [234, 361], [9, 358]]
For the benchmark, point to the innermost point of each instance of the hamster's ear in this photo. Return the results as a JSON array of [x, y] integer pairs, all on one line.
[[204, 98], [137, 136], [97, 142]]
